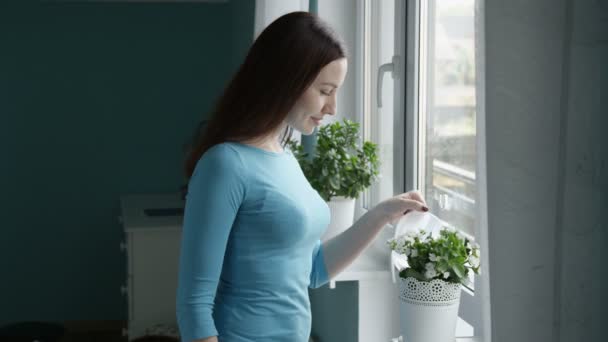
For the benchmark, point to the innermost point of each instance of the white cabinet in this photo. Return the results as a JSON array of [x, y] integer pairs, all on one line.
[[152, 247]]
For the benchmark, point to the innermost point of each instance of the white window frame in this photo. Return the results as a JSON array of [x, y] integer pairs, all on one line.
[[367, 94], [475, 306]]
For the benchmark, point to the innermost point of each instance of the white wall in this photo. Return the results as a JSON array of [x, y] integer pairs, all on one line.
[[267, 11], [341, 15]]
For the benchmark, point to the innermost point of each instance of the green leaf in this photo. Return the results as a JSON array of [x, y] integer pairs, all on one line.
[[459, 270], [334, 182], [409, 272]]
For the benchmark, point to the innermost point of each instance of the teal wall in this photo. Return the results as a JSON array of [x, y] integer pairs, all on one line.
[[96, 101]]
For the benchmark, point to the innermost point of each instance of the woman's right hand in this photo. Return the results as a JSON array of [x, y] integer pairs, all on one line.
[[395, 207]]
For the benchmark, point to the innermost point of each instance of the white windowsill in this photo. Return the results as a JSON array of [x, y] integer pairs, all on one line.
[[468, 339]]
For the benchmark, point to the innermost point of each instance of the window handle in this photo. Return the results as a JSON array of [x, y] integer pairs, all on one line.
[[445, 202], [393, 68]]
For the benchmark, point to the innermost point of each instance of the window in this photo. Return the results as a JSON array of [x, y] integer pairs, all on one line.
[[447, 116], [419, 101], [383, 118], [447, 143]]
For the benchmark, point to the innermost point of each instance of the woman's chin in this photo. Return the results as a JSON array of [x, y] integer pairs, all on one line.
[[309, 130]]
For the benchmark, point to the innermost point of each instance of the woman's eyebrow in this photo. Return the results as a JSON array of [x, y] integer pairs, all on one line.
[[329, 83]]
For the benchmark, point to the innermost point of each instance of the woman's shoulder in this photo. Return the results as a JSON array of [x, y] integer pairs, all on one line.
[[223, 154], [220, 160], [222, 148]]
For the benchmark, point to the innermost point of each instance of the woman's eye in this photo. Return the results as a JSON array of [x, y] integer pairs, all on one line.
[[325, 93]]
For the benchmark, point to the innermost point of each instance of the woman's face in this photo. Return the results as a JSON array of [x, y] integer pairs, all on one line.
[[319, 99]]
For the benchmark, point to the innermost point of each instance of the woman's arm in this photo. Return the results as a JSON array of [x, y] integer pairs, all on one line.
[[341, 250], [215, 192]]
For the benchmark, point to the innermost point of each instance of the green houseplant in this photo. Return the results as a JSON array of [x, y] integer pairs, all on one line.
[[430, 285], [448, 257], [340, 169], [341, 166]]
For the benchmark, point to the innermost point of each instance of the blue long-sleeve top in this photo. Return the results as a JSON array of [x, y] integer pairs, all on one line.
[[250, 247]]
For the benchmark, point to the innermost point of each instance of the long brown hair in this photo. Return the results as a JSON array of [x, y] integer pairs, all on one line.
[[281, 64]]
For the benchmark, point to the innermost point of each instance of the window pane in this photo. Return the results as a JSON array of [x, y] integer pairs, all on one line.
[[384, 113], [380, 117], [448, 116]]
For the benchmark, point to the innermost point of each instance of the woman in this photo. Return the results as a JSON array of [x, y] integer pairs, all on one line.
[[250, 244]]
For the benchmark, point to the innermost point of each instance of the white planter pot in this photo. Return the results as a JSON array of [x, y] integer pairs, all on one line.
[[342, 211], [428, 310]]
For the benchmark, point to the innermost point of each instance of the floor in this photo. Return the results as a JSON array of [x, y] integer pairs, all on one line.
[[109, 336], [97, 336], [82, 331]]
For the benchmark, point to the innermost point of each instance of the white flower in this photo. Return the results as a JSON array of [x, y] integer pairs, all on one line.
[[472, 245], [475, 251], [401, 239], [474, 261], [414, 252], [399, 244], [430, 274], [430, 266], [432, 257], [408, 251], [446, 275], [411, 234]]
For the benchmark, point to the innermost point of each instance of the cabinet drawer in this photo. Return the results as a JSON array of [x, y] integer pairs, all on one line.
[[155, 255]]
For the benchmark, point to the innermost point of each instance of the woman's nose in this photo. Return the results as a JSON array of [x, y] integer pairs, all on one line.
[[331, 106]]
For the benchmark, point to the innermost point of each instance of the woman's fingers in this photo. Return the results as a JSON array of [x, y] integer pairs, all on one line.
[[397, 206], [415, 205], [415, 195]]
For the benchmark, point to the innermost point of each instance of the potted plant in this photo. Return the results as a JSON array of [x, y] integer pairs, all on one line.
[[340, 169], [430, 285]]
